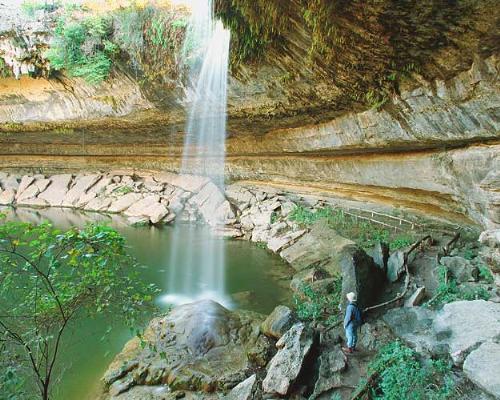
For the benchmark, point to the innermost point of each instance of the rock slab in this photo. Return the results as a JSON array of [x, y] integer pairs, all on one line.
[[278, 322], [284, 368], [482, 367]]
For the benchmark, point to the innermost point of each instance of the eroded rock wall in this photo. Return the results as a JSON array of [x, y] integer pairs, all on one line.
[[434, 149]]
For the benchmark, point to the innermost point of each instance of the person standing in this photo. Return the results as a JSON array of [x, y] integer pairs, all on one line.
[[352, 321]]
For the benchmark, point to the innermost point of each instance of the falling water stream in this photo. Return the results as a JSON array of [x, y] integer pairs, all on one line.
[[201, 274]]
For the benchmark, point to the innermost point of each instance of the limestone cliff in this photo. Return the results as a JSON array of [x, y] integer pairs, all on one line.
[[415, 125]]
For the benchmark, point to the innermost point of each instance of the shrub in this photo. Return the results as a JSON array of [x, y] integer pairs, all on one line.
[[123, 189], [448, 290], [57, 278], [83, 48], [402, 375], [363, 232], [485, 274], [5, 71], [314, 306], [30, 7]]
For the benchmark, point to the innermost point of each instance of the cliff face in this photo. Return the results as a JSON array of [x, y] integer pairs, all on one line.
[[430, 143]]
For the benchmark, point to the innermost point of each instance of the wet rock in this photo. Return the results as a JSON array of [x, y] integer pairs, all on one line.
[[33, 202], [331, 365], [200, 346], [284, 368], [188, 183], [278, 322], [244, 390], [207, 201], [227, 232], [482, 367], [56, 191], [416, 298], [157, 213], [461, 269], [82, 184]]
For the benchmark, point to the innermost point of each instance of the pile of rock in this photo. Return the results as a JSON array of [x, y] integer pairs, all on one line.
[[155, 198], [202, 347]]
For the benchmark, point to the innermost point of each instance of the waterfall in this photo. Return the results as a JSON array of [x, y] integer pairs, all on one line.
[[197, 265]]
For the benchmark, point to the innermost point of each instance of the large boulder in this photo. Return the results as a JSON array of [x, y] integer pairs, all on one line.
[[467, 324], [361, 275], [482, 367], [278, 322], [457, 329], [200, 346], [323, 247], [285, 367], [331, 365]]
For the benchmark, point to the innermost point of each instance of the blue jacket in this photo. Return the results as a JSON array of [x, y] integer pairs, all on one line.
[[352, 315]]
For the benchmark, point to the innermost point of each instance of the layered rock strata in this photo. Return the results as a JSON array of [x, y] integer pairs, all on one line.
[[433, 148]]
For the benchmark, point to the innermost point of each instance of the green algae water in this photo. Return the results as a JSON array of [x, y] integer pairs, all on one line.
[[254, 280]]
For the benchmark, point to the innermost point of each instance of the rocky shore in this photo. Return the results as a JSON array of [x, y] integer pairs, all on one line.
[[243, 355]]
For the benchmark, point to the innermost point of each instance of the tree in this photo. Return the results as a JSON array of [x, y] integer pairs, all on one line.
[[49, 279]]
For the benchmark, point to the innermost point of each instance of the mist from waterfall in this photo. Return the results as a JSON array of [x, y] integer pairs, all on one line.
[[197, 266]]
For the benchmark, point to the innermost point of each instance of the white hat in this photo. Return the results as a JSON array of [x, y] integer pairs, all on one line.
[[351, 296]]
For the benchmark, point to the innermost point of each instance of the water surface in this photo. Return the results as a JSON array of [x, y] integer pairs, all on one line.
[[254, 279]]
